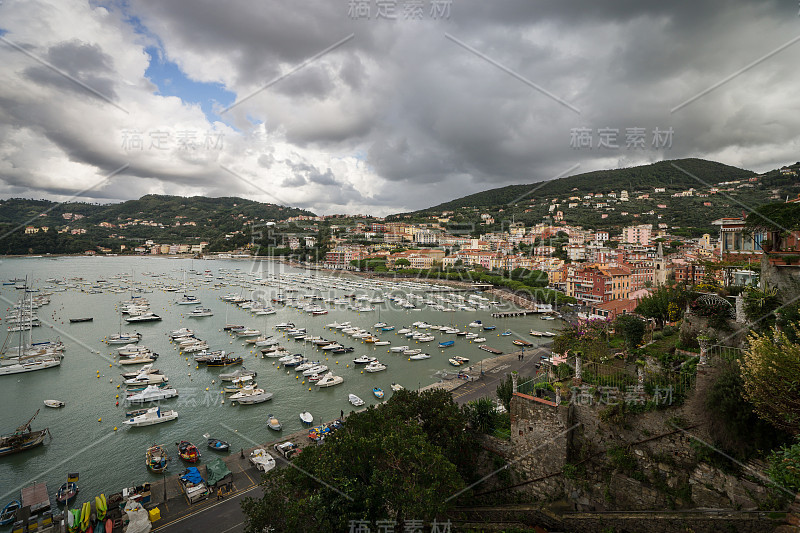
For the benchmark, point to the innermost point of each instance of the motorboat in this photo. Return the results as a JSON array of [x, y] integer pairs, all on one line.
[[54, 403], [355, 400], [329, 380], [399, 349], [250, 396], [152, 393], [458, 361], [262, 460], [224, 359], [415, 351], [364, 359], [147, 379], [446, 344], [397, 387], [238, 384], [306, 417], [536, 333], [144, 317], [124, 338], [200, 312], [420, 356], [217, 445], [374, 366], [156, 458], [272, 423], [151, 416], [506, 333], [132, 349], [139, 359], [294, 361], [378, 392], [188, 451], [248, 333], [238, 373], [146, 369], [182, 332], [188, 299], [318, 369], [489, 328]]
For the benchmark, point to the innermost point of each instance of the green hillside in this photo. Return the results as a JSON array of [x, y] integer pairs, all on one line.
[[682, 215], [164, 219], [661, 174]]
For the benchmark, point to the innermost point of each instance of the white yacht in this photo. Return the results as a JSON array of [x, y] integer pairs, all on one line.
[[152, 394], [151, 416], [329, 380]]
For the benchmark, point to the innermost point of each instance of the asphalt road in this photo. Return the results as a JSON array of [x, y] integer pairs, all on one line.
[[487, 384], [224, 516]]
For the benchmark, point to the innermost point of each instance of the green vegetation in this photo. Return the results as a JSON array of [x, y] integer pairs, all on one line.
[[733, 423], [212, 218], [784, 466], [641, 177], [770, 371], [664, 304], [631, 328], [400, 461]]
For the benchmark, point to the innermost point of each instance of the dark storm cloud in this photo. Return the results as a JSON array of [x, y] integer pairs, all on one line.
[[431, 119]]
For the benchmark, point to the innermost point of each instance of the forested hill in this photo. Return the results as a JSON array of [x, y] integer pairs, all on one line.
[[156, 208], [662, 174], [76, 227]]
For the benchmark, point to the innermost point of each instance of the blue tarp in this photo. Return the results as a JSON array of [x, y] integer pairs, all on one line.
[[192, 475]]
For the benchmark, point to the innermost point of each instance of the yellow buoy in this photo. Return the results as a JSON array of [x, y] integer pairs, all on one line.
[[409, 359], [117, 386], [99, 419], [309, 388], [110, 365], [115, 428], [362, 371]]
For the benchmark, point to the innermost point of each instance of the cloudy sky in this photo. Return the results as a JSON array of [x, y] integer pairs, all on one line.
[[380, 106]]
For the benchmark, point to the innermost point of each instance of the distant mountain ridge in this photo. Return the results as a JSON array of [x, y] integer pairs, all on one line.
[[698, 173], [154, 207]]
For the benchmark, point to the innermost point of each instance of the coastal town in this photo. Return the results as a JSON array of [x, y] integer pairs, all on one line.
[[383, 266]]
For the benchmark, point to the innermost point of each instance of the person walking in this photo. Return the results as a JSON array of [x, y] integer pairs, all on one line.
[[341, 415]]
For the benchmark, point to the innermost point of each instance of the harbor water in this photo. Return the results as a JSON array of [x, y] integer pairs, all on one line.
[[84, 438]]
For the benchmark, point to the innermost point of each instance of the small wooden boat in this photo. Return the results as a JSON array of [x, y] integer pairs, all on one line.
[[188, 451], [67, 492], [520, 342], [157, 457], [355, 400], [85, 319], [9, 512], [377, 392], [306, 417], [54, 403], [458, 361]]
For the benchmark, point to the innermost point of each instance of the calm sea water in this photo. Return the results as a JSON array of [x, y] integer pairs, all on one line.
[[83, 433]]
